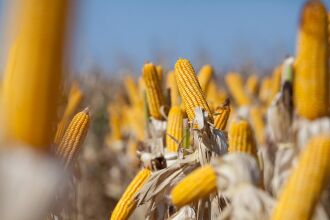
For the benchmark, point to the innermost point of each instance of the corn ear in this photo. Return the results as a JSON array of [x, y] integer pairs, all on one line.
[[171, 84], [189, 88], [153, 90], [197, 185], [311, 81], [241, 138], [235, 85], [204, 77], [222, 115], [256, 118], [74, 136], [32, 87], [174, 129], [126, 204], [301, 193], [251, 85]]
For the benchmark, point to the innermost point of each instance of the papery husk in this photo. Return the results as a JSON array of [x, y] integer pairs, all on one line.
[[186, 213], [306, 129]]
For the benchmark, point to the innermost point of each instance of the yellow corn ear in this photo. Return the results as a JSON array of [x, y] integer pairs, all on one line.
[[276, 82], [74, 100], [189, 88], [32, 87], [126, 204], [265, 90], [153, 90], [221, 116], [235, 85], [204, 77], [311, 81], [241, 138], [256, 118], [132, 91], [159, 70], [215, 96], [171, 84], [251, 85], [174, 128], [301, 193], [197, 185], [73, 137], [115, 122]]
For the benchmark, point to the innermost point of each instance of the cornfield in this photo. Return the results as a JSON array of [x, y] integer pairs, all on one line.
[[166, 143]]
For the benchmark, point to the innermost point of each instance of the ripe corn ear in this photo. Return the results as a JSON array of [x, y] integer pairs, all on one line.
[[174, 128], [74, 137], [241, 138], [171, 84], [197, 185], [189, 88], [126, 204], [251, 85], [311, 81], [222, 115], [153, 90], [31, 94], [204, 77], [256, 118], [235, 85], [301, 193]]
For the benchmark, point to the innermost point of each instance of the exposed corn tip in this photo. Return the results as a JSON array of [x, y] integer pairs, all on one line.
[[241, 138], [251, 85], [31, 89], [301, 193], [311, 81], [126, 204], [171, 84], [197, 185], [174, 128], [235, 85], [189, 88], [153, 90], [256, 118], [221, 116], [74, 136], [204, 77]]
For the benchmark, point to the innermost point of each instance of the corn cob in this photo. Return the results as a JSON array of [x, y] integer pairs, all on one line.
[[241, 138], [153, 90], [126, 204], [74, 137], [31, 94], [311, 81], [215, 96], [265, 90], [309, 178], [235, 86], [174, 128], [251, 86], [171, 84], [159, 70], [132, 91], [74, 100], [197, 185], [204, 77], [115, 122], [256, 118], [222, 115], [189, 88], [276, 82]]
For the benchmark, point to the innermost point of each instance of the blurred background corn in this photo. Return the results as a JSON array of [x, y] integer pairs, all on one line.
[[241, 138], [189, 88], [235, 85], [174, 92], [205, 76], [221, 115], [251, 85], [311, 81], [301, 193]]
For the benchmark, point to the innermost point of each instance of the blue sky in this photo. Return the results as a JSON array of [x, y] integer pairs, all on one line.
[[117, 33]]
